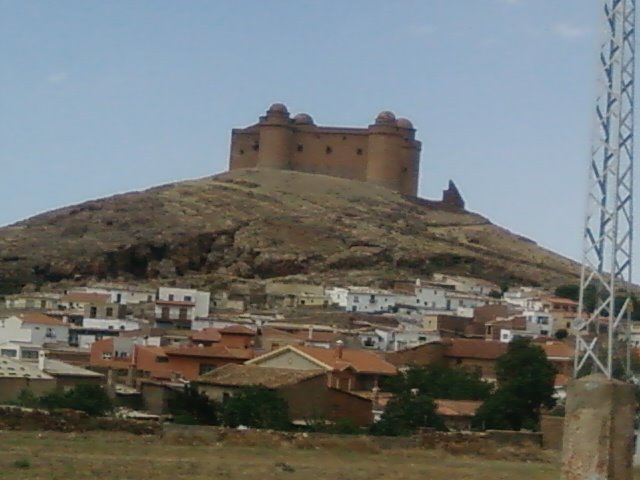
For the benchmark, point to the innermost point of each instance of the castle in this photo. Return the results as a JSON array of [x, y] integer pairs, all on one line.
[[385, 153]]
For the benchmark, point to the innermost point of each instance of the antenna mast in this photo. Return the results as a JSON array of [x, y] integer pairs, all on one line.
[[605, 301]]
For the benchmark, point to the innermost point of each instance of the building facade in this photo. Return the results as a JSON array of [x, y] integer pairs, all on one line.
[[386, 153]]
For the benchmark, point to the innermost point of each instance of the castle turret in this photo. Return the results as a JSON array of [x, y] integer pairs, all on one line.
[[410, 172], [384, 162], [275, 138]]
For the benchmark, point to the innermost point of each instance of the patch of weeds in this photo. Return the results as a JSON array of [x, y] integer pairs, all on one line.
[[22, 463]]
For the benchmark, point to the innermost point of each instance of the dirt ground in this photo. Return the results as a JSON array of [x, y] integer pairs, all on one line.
[[115, 456]]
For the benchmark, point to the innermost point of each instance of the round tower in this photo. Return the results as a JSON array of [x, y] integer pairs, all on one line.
[[275, 138], [410, 171], [384, 161]]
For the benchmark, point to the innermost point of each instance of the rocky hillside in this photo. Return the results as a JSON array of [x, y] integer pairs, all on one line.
[[266, 224]]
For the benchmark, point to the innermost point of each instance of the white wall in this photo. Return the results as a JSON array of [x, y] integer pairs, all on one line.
[[201, 299], [338, 296], [11, 331], [370, 302]]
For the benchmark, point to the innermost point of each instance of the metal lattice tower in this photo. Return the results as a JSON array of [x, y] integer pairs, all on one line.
[[608, 233]]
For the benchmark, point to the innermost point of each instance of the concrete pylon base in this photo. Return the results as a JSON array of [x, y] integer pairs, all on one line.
[[598, 430]]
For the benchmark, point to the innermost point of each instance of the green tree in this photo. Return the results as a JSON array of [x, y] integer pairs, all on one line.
[[442, 382], [192, 407], [406, 413], [561, 334], [91, 399], [256, 407], [525, 384]]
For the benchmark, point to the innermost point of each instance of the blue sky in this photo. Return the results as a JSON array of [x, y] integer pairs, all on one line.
[[111, 96]]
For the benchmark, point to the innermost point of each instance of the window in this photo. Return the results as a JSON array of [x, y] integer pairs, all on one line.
[[93, 311], [109, 311], [328, 150]]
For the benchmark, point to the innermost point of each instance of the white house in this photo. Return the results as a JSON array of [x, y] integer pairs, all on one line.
[[185, 296], [34, 328], [431, 295], [338, 296], [540, 323], [20, 350], [369, 300], [123, 294], [456, 300], [94, 329], [476, 286]]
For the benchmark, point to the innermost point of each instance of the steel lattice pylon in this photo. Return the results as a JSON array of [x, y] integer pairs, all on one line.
[[608, 233]]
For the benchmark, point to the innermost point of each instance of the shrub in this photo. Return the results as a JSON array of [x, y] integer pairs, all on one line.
[[190, 407], [256, 407], [22, 463]]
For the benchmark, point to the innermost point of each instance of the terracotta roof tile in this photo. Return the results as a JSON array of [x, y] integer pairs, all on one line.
[[237, 330], [246, 375], [457, 408], [41, 319], [206, 335], [361, 361], [474, 348], [214, 351]]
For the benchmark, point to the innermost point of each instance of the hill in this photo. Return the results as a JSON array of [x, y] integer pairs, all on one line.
[[266, 224]]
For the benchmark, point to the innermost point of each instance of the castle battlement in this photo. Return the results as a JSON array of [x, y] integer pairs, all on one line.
[[385, 153]]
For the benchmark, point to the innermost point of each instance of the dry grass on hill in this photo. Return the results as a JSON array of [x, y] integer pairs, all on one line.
[[58, 456]]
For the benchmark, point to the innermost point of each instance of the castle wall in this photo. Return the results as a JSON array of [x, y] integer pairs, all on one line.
[[386, 153], [331, 153], [244, 149]]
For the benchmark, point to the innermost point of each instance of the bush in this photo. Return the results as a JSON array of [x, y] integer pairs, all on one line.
[[441, 382], [256, 407], [91, 399], [22, 463], [190, 407], [406, 413]]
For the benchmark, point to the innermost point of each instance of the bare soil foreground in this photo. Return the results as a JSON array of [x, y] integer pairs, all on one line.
[[116, 456]]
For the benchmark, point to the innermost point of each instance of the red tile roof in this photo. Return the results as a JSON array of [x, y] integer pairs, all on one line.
[[327, 337], [474, 348], [214, 351], [361, 361], [457, 408], [41, 319], [237, 330], [246, 375], [557, 350], [206, 335]]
